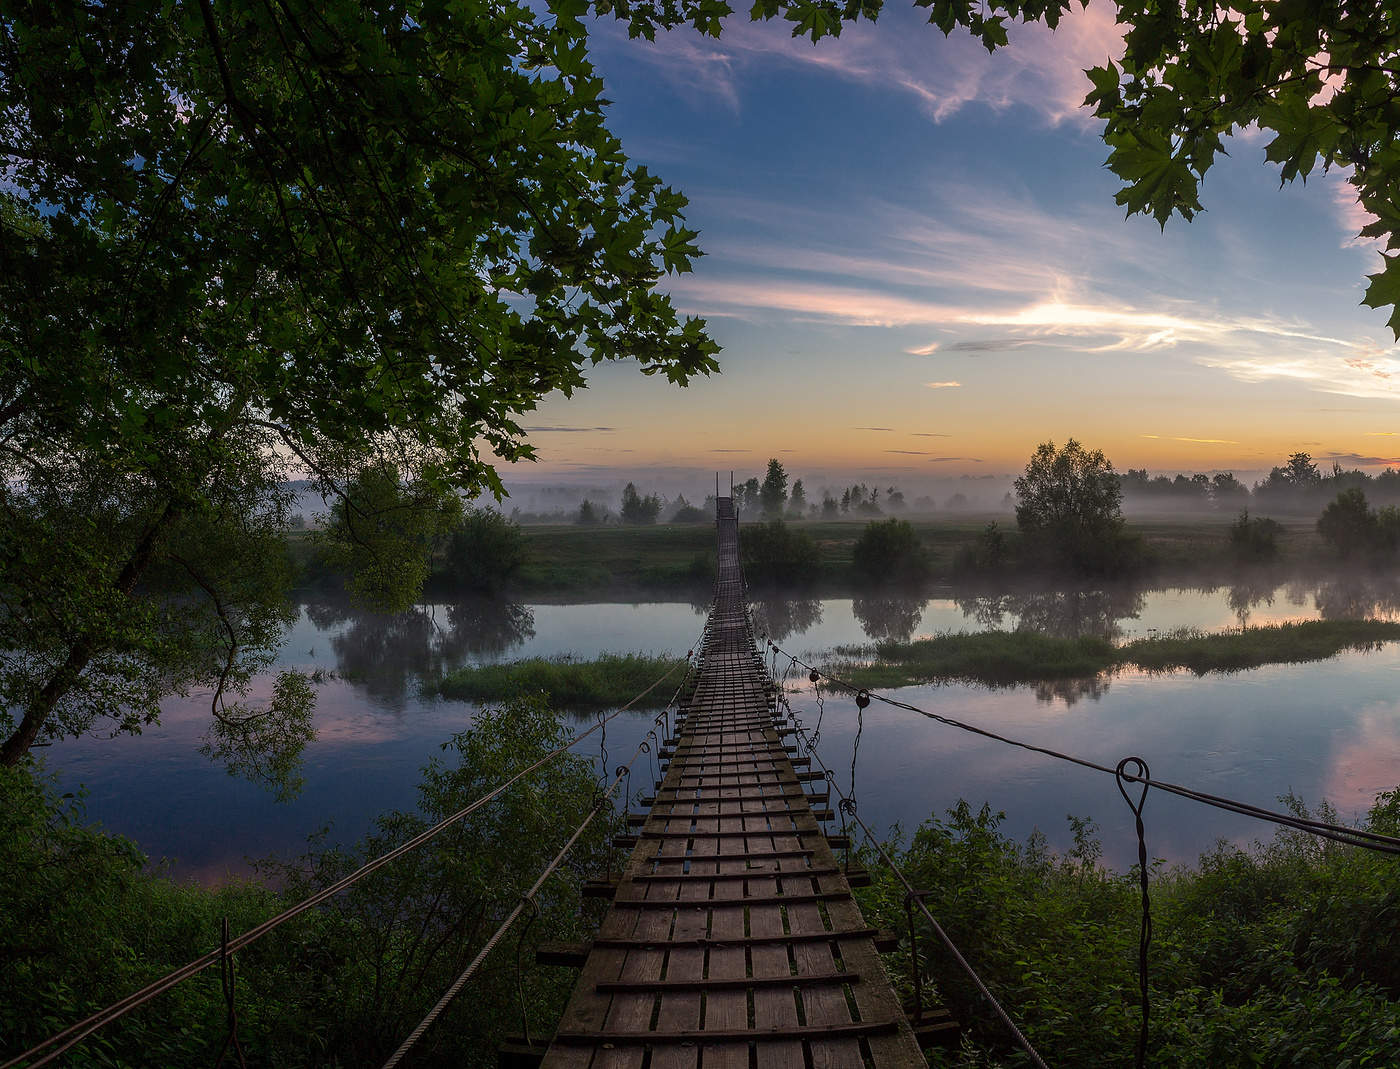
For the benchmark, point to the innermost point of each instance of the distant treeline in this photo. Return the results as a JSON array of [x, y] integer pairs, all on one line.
[[1297, 486]]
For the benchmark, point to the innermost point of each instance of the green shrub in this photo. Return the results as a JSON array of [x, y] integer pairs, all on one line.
[[888, 551], [1282, 954], [774, 554], [1254, 540], [483, 551]]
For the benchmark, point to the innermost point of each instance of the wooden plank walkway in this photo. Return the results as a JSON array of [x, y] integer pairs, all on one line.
[[733, 940]]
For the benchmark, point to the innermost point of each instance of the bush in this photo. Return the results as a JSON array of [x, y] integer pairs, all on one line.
[[1282, 954], [83, 923], [1254, 540], [1348, 526], [483, 551], [989, 552], [889, 551], [773, 554]]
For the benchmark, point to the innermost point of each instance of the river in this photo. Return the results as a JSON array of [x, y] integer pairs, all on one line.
[[1329, 730]]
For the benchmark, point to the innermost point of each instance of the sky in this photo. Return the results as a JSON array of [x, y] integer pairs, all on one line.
[[916, 268]]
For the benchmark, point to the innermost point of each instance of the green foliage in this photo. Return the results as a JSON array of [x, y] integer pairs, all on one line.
[[1277, 955], [1068, 504], [1254, 540], [989, 553], [381, 535], [353, 234], [889, 552], [483, 551], [82, 923], [637, 510], [773, 492], [568, 682], [1352, 529], [1004, 658], [774, 554]]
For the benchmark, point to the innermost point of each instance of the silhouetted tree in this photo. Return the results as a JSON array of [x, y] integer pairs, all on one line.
[[797, 503], [773, 492], [890, 552], [1069, 502], [638, 510]]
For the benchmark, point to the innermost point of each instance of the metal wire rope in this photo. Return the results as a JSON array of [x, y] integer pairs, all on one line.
[[527, 899], [1361, 837], [76, 1033]]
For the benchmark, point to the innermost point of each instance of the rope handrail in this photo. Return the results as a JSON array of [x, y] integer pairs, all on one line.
[[912, 895], [1360, 837], [62, 1041]]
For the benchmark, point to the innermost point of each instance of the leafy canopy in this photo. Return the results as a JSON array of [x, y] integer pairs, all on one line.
[[246, 240]]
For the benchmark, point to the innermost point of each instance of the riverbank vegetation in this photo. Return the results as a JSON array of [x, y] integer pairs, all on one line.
[[84, 922], [1284, 953], [1005, 658], [569, 682]]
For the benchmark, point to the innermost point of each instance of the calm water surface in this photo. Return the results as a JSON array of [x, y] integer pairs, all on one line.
[[1328, 730]]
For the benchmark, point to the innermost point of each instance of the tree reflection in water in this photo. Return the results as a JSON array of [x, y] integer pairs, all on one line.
[[1061, 613], [779, 615], [1071, 691], [1249, 592], [889, 616], [1359, 596], [389, 653]]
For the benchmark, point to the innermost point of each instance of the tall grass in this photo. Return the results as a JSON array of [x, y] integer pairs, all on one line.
[[1003, 658], [570, 682]]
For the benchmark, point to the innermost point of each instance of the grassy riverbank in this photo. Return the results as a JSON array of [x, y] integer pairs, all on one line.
[[569, 682], [1004, 658]]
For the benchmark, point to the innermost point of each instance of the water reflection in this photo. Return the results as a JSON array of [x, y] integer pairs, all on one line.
[[1072, 691], [1247, 594], [1358, 596], [1062, 613], [889, 617], [779, 615], [389, 653]]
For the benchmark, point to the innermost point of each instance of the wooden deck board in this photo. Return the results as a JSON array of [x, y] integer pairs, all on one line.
[[729, 892]]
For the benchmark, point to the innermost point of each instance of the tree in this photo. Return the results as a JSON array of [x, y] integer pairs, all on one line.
[[1349, 526], [773, 492], [244, 241], [638, 510], [1069, 503], [797, 503], [483, 551], [889, 552], [1301, 471], [774, 554], [587, 514], [1256, 539]]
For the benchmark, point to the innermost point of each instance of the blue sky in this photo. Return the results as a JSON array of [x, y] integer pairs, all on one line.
[[915, 266]]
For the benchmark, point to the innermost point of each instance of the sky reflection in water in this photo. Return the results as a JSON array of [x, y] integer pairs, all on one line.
[[1329, 730]]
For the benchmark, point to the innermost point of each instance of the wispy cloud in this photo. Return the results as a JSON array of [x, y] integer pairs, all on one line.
[[908, 452], [1199, 441], [949, 460], [942, 385], [930, 434], [1039, 70], [567, 430], [872, 428]]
